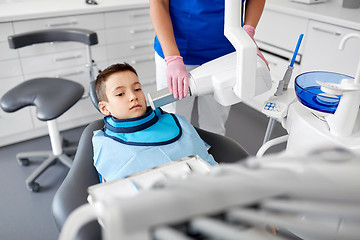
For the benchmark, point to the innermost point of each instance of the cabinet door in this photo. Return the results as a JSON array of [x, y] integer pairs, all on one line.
[[59, 60], [144, 65], [9, 62], [130, 33], [5, 31], [127, 17], [280, 30], [133, 48], [5, 51], [322, 49], [10, 68], [16, 122], [91, 21], [130, 38]]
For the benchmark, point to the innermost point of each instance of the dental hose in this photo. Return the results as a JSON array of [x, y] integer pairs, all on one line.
[[283, 86]]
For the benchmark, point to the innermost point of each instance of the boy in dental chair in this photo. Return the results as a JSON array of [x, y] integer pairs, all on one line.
[[135, 137]]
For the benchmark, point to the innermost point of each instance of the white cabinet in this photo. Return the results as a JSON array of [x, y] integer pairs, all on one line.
[[277, 34], [67, 60], [17, 122], [9, 60], [10, 76], [88, 21], [280, 30], [322, 49], [124, 35], [130, 37]]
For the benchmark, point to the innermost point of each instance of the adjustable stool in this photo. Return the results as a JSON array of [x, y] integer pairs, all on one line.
[[50, 96]]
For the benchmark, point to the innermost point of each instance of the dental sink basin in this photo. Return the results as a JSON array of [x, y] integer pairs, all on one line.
[[309, 93]]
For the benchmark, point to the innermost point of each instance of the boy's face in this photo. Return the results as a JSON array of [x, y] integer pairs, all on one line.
[[125, 96]]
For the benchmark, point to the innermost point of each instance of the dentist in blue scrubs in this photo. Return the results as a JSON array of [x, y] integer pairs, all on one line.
[[188, 34]]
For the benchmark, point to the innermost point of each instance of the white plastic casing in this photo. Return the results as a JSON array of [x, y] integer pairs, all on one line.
[[220, 78]]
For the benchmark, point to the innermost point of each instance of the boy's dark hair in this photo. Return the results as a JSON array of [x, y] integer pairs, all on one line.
[[103, 75]]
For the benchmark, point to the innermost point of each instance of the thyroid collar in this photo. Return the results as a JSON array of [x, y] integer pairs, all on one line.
[[152, 129]]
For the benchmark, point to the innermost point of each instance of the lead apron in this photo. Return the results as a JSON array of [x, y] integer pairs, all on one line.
[[131, 145]]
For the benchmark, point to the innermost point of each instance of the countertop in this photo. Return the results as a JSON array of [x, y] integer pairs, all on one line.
[[17, 10], [329, 12]]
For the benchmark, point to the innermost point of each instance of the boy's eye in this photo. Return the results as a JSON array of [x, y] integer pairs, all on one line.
[[119, 94], [138, 89]]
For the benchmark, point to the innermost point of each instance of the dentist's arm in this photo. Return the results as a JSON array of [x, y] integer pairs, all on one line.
[[253, 12], [177, 76]]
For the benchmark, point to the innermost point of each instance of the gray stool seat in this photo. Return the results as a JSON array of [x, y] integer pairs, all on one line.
[[51, 97]]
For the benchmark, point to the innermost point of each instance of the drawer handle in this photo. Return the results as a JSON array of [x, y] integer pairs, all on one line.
[[137, 15], [69, 74], [61, 24], [67, 58], [142, 60], [141, 45], [134, 31], [327, 31]]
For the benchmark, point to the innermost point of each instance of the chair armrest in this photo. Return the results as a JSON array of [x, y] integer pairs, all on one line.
[[223, 149]]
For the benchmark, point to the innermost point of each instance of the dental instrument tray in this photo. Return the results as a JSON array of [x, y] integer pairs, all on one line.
[[146, 179], [309, 93]]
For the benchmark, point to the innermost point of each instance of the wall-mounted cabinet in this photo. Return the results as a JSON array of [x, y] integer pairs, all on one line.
[[322, 49], [135, 46], [11, 75], [124, 35], [280, 30]]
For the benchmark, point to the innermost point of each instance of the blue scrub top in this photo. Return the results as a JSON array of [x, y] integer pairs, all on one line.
[[199, 30]]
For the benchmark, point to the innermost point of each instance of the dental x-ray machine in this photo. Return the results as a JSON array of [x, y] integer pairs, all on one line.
[[235, 77], [303, 194]]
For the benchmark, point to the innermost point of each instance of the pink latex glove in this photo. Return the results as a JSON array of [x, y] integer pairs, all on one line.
[[251, 32], [177, 76]]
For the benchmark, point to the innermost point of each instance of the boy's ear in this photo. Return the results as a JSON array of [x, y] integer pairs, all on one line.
[[103, 108]]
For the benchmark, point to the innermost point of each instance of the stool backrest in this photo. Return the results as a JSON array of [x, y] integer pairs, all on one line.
[[53, 35], [84, 36]]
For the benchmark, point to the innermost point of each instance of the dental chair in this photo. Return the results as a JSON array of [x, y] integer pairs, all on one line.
[[73, 191], [51, 97]]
